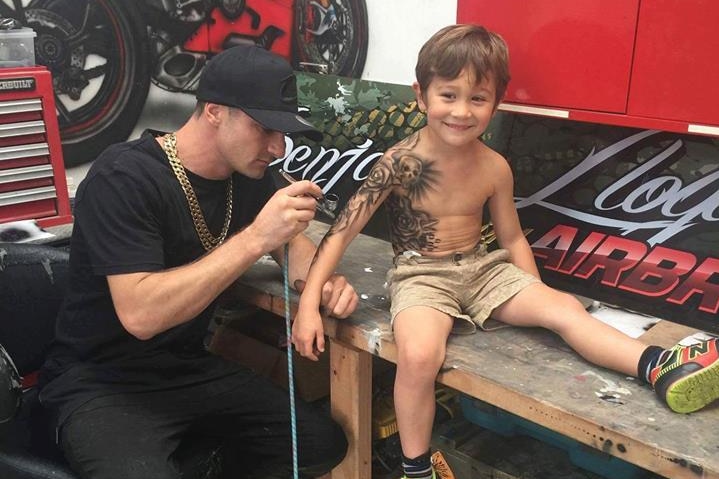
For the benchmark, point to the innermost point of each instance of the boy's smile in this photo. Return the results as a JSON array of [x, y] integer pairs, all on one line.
[[458, 110]]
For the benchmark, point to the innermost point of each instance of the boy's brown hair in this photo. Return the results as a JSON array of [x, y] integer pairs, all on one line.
[[456, 47]]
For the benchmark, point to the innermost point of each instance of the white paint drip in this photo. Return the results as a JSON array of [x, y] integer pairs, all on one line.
[[266, 259], [48, 269], [611, 388], [374, 340]]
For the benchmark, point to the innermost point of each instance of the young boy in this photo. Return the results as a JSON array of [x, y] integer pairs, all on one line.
[[436, 183]]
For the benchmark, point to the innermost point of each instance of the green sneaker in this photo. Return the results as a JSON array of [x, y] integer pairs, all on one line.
[[688, 378]]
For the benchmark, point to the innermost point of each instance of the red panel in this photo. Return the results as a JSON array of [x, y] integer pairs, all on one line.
[[199, 41], [563, 53], [272, 13], [676, 71]]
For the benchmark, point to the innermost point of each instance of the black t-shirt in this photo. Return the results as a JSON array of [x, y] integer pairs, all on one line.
[[131, 215]]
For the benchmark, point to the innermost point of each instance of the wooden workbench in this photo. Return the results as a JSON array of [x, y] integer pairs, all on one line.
[[528, 372]]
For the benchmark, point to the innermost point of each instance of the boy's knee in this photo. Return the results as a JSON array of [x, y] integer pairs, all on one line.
[[565, 302], [422, 359]]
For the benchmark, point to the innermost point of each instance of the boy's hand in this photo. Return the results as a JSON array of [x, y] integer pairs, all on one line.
[[308, 334], [338, 298]]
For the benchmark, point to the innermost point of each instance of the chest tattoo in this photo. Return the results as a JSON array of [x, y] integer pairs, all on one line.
[[410, 227], [410, 179]]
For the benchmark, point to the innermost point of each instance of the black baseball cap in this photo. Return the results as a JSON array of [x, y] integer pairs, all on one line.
[[260, 83]]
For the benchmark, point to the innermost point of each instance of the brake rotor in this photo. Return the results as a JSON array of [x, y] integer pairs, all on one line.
[[53, 49]]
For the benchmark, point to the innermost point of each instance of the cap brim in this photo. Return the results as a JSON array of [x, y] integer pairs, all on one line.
[[286, 122]]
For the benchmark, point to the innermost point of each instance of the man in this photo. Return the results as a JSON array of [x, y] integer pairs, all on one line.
[[163, 225]]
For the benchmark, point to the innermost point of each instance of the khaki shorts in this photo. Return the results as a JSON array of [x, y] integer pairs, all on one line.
[[466, 286]]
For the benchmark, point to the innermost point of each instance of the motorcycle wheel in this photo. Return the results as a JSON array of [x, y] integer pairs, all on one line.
[[342, 46], [98, 54]]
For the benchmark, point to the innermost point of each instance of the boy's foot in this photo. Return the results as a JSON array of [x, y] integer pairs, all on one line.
[[688, 378], [440, 466]]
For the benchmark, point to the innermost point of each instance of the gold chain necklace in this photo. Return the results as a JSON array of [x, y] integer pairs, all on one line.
[[209, 242]]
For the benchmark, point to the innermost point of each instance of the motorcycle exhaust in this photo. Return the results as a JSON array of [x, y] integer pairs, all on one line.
[[179, 70]]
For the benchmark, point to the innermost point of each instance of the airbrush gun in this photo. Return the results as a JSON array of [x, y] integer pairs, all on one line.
[[326, 204]]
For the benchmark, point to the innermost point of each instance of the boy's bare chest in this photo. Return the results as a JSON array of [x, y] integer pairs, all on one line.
[[452, 193]]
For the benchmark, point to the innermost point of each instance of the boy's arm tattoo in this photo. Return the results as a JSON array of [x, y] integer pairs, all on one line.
[[369, 193], [410, 178], [380, 178]]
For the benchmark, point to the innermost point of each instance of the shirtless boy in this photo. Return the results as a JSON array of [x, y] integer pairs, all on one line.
[[436, 183]]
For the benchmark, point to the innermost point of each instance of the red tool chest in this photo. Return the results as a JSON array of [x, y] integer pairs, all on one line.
[[32, 173]]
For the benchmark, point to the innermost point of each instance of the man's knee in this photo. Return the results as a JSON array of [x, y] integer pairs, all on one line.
[[124, 467], [325, 458], [92, 452]]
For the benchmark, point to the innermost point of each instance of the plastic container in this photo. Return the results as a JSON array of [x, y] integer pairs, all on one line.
[[17, 47]]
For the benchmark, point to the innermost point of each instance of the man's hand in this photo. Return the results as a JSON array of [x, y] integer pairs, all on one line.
[[286, 214], [339, 299]]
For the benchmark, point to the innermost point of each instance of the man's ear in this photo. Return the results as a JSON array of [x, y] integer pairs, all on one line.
[[213, 113], [419, 97]]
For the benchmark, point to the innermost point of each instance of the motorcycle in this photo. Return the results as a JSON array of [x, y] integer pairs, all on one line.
[[103, 54]]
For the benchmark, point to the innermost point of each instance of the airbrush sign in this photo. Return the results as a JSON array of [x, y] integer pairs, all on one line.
[[648, 238]]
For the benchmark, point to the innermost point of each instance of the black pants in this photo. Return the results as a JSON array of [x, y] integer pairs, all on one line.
[[243, 431]]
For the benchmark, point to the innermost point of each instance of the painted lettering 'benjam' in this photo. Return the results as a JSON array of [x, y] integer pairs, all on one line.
[[329, 165]]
